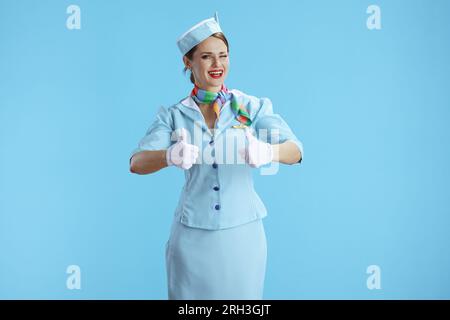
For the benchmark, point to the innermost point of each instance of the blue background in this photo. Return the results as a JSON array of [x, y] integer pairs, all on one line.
[[370, 106]]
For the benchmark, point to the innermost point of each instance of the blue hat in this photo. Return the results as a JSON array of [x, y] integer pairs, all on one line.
[[198, 33]]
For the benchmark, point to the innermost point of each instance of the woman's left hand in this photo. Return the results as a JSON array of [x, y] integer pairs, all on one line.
[[257, 153]]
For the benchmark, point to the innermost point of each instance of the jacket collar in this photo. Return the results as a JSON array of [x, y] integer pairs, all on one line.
[[191, 110]]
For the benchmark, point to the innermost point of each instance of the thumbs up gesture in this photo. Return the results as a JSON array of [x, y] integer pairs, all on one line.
[[182, 154], [257, 153]]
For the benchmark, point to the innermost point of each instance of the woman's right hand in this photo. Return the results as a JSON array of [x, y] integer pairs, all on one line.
[[182, 154]]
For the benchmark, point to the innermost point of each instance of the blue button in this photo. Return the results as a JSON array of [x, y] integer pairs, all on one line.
[[214, 165], [217, 207], [216, 188], [211, 142]]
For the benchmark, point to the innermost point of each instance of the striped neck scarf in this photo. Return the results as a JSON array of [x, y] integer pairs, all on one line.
[[217, 99]]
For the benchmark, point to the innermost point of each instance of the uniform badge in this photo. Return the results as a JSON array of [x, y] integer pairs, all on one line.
[[240, 126]]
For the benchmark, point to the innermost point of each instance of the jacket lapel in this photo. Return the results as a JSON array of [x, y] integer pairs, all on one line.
[[190, 109]]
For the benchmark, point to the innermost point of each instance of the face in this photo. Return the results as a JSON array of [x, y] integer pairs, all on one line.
[[209, 64]]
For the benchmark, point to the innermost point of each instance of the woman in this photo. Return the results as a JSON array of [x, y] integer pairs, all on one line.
[[217, 245]]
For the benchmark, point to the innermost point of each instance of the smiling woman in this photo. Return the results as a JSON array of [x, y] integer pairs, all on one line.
[[208, 62], [210, 55], [217, 244]]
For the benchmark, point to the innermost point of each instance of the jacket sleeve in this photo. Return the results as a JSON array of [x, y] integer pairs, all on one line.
[[271, 127], [158, 136]]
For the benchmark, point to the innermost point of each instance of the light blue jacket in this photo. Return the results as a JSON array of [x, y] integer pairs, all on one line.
[[217, 195]]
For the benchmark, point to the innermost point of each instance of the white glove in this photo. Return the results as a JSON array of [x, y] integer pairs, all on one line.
[[257, 153], [182, 154]]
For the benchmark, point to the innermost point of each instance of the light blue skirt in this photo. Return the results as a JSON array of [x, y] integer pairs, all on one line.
[[216, 264]]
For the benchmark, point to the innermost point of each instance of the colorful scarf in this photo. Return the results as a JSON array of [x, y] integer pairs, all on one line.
[[217, 99]]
